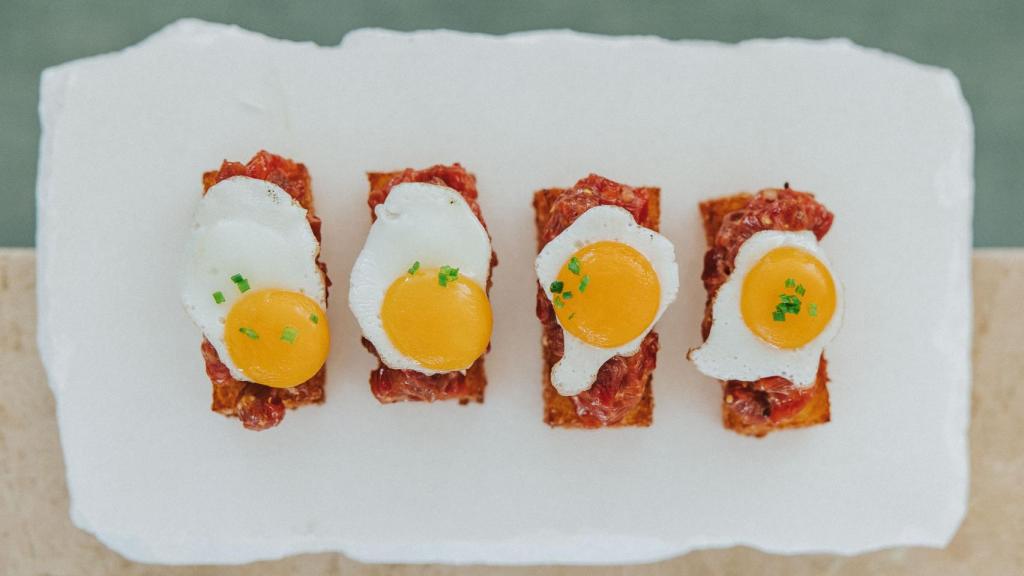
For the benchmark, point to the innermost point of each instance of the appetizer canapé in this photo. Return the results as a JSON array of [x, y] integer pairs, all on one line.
[[257, 289], [419, 288], [773, 304], [605, 277]]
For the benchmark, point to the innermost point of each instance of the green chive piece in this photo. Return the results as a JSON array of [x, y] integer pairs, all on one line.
[[249, 332], [571, 316], [415, 266], [567, 295], [447, 274], [240, 282], [800, 289], [788, 304], [218, 297], [584, 282], [556, 287], [790, 282], [812, 310], [289, 334], [314, 318], [558, 302], [574, 265]]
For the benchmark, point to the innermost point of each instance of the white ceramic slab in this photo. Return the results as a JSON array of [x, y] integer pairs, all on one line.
[[886, 144]]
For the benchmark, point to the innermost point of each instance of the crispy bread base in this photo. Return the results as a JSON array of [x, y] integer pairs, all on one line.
[[228, 392], [560, 411], [476, 376], [817, 410]]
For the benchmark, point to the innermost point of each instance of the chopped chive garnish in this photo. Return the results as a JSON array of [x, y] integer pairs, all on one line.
[[567, 295], [415, 266], [584, 282], [788, 304], [556, 287], [800, 289], [812, 310], [240, 282], [558, 302], [574, 265], [790, 282], [447, 274], [218, 297], [314, 318], [249, 332], [289, 334], [571, 316]]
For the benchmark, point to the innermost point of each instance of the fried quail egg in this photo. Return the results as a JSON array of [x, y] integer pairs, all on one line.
[[609, 280], [419, 286], [775, 313], [252, 284]]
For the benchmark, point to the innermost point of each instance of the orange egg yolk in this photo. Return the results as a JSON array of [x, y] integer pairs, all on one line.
[[788, 297], [441, 327], [606, 294], [277, 338]]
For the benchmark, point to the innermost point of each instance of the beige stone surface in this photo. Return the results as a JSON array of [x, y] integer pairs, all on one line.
[[36, 536]]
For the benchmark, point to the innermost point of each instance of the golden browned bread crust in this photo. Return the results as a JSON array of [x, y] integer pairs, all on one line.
[[261, 407], [817, 410], [389, 385], [560, 411]]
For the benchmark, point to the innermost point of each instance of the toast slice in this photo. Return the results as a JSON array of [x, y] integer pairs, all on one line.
[[561, 411], [387, 384], [817, 410], [260, 407]]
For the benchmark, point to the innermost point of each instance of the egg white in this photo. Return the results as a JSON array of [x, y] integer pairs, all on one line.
[[254, 228], [417, 222], [732, 351], [580, 362]]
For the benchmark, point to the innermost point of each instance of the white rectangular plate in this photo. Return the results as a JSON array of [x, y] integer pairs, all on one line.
[[885, 143]]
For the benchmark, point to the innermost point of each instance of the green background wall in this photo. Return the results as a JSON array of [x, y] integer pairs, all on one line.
[[982, 42]]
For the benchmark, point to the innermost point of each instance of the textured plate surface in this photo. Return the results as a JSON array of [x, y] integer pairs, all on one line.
[[886, 144]]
